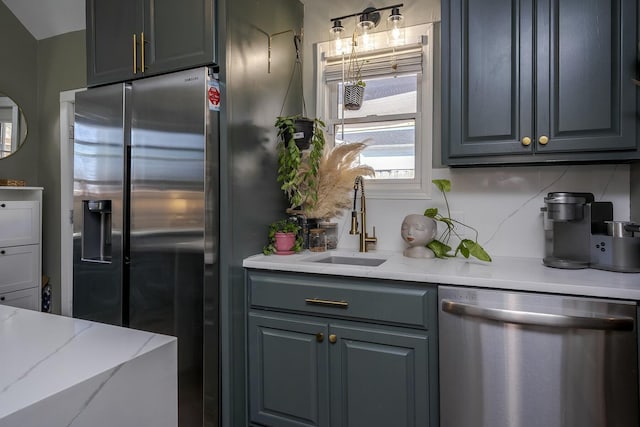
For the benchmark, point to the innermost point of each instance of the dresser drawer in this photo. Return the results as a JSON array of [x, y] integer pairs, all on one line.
[[19, 267], [19, 223], [27, 298], [372, 300]]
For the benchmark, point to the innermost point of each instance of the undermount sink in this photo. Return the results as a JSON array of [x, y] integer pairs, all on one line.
[[349, 260]]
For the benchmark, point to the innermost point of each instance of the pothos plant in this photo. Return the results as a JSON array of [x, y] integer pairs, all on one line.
[[298, 170], [440, 247], [282, 226]]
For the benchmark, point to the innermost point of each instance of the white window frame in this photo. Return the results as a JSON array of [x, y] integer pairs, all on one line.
[[420, 186]]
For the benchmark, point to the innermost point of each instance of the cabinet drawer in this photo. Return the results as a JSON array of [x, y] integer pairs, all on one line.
[[27, 298], [19, 267], [19, 223], [373, 300]]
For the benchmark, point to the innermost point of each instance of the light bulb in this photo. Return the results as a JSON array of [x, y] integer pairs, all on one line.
[[336, 33], [395, 22]]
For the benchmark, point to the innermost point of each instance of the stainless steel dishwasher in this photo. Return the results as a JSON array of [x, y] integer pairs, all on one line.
[[515, 359]]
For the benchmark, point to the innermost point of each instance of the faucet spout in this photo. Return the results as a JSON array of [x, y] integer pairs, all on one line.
[[365, 239]]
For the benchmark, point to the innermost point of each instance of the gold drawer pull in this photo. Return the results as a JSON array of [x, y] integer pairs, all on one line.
[[327, 303], [526, 141], [319, 337], [333, 338], [543, 140]]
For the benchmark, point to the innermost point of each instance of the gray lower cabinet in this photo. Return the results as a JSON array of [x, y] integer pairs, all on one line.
[[327, 351], [539, 81], [130, 39]]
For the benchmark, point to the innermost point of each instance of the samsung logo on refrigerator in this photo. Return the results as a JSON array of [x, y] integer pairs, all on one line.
[[192, 79]]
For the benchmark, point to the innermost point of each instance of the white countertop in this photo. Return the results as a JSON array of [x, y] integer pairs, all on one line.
[[44, 356], [526, 274]]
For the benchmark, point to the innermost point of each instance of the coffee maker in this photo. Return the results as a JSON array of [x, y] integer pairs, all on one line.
[[570, 219]]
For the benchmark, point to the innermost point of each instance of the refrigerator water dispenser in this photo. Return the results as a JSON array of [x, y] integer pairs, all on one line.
[[96, 230]]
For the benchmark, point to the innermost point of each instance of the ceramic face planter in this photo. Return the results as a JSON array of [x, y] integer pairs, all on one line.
[[418, 230]]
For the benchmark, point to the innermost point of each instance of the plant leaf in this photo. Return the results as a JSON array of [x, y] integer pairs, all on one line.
[[475, 249], [439, 249], [443, 185], [431, 212], [462, 249]]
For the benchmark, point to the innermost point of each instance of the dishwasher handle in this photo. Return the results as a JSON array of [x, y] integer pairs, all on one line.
[[609, 323]]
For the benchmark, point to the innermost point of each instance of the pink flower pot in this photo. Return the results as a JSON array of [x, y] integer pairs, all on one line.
[[284, 243]]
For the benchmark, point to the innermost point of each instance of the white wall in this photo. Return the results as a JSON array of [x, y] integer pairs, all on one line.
[[502, 203]]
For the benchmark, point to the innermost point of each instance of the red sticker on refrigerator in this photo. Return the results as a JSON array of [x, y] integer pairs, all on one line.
[[213, 94]]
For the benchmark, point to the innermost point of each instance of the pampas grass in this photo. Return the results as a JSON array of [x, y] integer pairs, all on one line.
[[336, 175]]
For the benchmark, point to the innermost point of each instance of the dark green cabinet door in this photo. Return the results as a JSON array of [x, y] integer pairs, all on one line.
[[380, 378], [178, 34], [531, 82], [111, 28], [585, 60], [131, 39], [487, 77], [288, 371]]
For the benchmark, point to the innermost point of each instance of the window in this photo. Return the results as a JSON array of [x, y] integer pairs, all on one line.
[[395, 119], [6, 141]]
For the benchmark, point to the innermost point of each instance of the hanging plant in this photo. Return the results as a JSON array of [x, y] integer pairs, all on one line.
[[353, 94], [298, 169]]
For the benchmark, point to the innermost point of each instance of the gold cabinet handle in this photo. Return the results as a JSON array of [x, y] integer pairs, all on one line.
[[143, 68], [526, 141], [327, 303], [319, 337], [333, 338], [135, 54], [543, 140]]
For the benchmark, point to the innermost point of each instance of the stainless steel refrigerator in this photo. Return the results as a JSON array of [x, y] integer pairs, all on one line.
[[146, 185]]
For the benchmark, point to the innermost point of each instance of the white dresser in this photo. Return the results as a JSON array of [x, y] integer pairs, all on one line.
[[21, 247]]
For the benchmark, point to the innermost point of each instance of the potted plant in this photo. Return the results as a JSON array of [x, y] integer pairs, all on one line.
[[353, 93], [283, 238], [298, 169], [440, 246]]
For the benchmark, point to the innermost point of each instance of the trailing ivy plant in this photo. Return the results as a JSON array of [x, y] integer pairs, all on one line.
[[298, 171], [282, 226], [440, 246]]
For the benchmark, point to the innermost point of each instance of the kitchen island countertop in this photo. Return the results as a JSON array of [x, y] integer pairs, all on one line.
[[59, 371], [524, 274]]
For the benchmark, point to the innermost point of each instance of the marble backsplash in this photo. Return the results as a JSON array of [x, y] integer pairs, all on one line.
[[502, 203]]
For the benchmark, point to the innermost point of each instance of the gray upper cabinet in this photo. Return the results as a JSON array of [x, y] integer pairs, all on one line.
[[536, 81], [130, 39]]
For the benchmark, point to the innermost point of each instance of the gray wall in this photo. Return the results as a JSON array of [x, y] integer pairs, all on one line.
[[62, 66], [18, 76], [34, 77]]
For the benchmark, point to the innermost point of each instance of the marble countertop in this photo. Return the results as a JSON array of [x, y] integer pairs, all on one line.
[[526, 274], [43, 356]]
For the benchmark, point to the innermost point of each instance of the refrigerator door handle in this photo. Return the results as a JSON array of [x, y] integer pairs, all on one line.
[[609, 323]]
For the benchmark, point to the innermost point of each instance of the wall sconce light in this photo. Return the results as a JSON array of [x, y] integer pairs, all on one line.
[[367, 20], [336, 35], [394, 21]]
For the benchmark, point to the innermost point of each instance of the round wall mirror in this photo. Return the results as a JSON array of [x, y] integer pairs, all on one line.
[[13, 126]]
